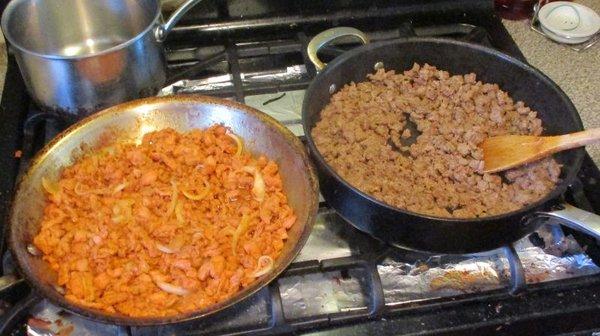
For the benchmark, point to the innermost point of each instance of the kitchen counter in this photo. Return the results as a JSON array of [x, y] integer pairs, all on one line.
[[577, 73]]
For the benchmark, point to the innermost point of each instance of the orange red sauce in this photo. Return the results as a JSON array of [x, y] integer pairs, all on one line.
[[180, 222]]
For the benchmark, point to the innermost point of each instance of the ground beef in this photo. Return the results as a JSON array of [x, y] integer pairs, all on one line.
[[363, 135]]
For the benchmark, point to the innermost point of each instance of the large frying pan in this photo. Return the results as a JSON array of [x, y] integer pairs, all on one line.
[[416, 231], [129, 122]]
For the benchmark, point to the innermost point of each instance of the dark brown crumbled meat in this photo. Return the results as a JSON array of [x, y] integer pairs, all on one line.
[[441, 173]]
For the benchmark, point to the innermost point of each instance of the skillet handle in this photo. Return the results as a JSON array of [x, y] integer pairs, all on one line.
[[327, 36], [576, 219]]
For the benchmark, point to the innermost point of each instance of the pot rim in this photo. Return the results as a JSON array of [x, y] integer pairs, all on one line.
[[11, 6]]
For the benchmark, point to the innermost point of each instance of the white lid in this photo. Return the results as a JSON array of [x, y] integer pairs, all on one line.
[[561, 39], [569, 19]]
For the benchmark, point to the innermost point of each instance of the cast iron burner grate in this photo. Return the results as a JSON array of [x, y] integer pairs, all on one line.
[[237, 61]]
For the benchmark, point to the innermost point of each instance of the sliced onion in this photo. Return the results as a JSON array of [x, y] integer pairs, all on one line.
[[82, 192], [172, 289], [197, 197], [265, 265], [197, 235], [242, 227], [164, 248], [238, 142], [120, 187], [173, 203], [50, 187], [79, 191], [259, 183], [59, 289], [179, 213]]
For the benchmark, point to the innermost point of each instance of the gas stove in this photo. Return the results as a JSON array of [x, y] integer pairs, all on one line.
[[343, 282]]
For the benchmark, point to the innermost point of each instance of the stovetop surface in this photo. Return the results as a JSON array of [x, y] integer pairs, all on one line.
[[343, 282]]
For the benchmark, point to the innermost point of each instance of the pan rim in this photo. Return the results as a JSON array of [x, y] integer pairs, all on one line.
[[560, 188], [240, 296]]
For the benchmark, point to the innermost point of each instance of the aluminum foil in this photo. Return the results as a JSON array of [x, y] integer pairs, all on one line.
[[195, 86], [48, 320], [429, 279], [221, 82], [291, 73], [322, 293]]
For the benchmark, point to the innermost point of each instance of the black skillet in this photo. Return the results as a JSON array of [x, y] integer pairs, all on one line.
[[421, 232]]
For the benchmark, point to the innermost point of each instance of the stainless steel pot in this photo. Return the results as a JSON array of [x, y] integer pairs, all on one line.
[[80, 56]]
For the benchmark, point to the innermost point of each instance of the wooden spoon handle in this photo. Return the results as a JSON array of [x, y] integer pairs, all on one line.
[[573, 140]]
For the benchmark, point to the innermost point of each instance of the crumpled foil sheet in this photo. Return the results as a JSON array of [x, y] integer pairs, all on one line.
[[198, 85], [433, 277], [216, 83], [317, 294]]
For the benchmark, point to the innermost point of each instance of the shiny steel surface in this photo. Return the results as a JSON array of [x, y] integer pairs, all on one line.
[[575, 218], [163, 30], [128, 123], [79, 56]]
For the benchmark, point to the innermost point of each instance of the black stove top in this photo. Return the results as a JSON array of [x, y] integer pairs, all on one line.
[[254, 52]]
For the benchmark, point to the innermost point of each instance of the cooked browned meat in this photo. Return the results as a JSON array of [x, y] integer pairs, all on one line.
[[362, 130]]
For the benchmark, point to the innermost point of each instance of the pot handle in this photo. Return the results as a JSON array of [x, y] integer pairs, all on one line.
[[9, 281], [575, 218], [327, 36], [161, 32]]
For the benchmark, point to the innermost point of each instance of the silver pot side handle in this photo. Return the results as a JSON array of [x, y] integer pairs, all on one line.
[[9, 281], [161, 32], [575, 218], [327, 36]]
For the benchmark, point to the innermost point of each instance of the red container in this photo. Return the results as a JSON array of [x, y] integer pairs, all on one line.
[[517, 9], [514, 9]]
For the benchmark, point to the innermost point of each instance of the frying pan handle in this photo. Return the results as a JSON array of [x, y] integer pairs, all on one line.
[[325, 37], [575, 218]]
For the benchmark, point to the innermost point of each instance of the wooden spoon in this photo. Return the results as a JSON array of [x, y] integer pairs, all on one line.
[[508, 151]]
